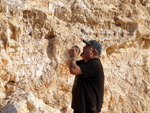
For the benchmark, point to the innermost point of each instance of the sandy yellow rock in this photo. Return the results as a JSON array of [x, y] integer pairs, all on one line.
[[35, 36]]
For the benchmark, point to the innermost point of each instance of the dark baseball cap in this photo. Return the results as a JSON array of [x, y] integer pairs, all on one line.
[[95, 44]]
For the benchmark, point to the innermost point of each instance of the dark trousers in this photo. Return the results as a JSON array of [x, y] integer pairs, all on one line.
[[85, 112]]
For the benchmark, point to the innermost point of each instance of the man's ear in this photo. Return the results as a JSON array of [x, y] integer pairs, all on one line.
[[93, 52]]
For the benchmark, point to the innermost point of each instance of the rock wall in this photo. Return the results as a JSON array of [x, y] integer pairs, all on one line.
[[35, 36]]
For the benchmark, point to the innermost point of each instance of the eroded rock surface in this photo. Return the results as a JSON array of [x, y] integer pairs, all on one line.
[[35, 36]]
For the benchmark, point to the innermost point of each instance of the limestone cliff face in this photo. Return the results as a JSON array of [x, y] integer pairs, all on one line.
[[35, 36]]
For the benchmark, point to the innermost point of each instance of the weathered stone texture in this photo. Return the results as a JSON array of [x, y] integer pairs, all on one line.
[[35, 36]]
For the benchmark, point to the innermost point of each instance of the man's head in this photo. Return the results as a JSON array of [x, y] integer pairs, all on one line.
[[96, 45], [92, 49]]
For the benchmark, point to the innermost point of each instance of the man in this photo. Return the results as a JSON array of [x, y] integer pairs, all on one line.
[[88, 89]]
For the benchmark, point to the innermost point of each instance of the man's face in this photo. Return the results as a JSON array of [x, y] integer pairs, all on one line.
[[87, 52]]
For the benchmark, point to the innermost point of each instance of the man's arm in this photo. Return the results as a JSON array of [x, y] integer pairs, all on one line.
[[73, 67]]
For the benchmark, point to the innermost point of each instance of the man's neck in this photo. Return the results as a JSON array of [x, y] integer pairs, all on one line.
[[91, 58]]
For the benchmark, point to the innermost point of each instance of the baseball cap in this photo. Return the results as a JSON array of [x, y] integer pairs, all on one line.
[[95, 44]]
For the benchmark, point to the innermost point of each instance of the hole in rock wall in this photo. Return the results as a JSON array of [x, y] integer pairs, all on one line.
[[3, 39], [2, 6], [10, 87], [147, 43], [133, 2], [34, 22], [13, 31], [50, 49], [144, 43], [50, 35], [128, 26], [34, 15], [143, 2], [111, 49]]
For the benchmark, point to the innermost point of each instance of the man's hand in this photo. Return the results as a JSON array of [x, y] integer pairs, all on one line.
[[73, 52], [73, 67]]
